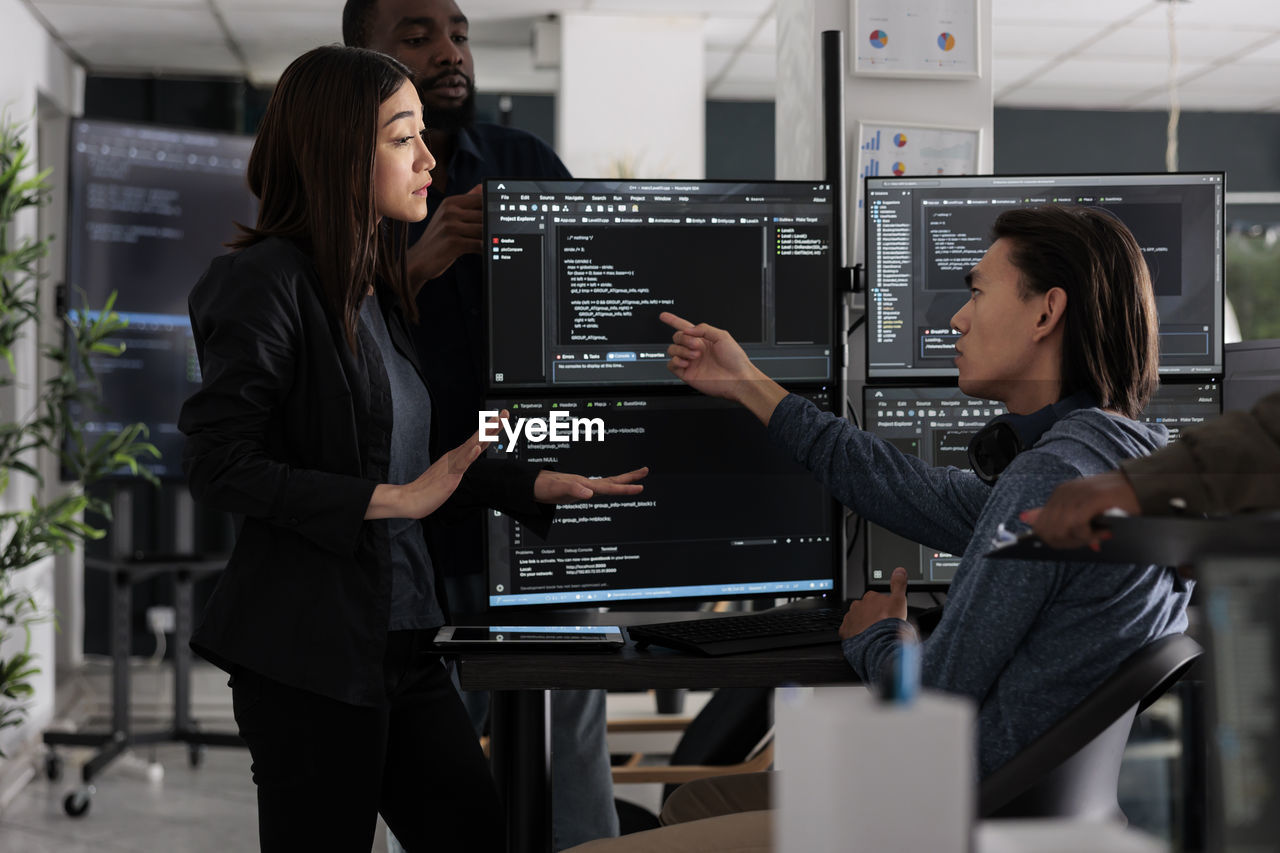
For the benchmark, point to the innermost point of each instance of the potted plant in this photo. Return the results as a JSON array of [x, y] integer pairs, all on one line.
[[53, 520]]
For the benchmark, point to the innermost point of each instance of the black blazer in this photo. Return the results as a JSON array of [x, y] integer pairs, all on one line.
[[292, 431]]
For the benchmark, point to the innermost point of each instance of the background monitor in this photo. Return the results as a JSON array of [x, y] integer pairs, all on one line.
[[1240, 599], [937, 423], [924, 234], [724, 514], [149, 207], [577, 273], [1251, 371]]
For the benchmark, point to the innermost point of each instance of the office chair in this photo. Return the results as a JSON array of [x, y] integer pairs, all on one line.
[[1073, 769], [731, 734]]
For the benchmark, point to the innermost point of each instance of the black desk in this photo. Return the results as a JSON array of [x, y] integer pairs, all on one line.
[[520, 741]]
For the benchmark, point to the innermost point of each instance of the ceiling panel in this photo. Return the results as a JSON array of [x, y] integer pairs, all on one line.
[[95, 23], [733, 31], [131, 4], [720, 8], [171, 57], [1238, 75], [1005, 72], [1255, 15], [1038, 41], [1061, 53], [1136, 74], [1066, 11], [304, 27], [1152, 42], [333, 8], [1269, 52]]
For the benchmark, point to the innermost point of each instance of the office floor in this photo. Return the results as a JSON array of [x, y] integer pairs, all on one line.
[[212, 809], [209, 809]]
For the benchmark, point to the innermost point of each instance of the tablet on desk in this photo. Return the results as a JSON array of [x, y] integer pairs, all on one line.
[[531, 638]]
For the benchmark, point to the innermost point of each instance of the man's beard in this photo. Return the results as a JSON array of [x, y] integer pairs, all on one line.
[[449, 119]]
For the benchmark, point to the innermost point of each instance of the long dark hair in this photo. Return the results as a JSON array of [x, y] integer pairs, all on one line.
[[1110, 344], [312, 171]]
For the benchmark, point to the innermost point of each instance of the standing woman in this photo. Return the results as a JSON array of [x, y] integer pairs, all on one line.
[[313, 425]]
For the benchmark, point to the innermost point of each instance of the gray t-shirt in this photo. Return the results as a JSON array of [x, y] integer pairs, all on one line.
[[413, 594]]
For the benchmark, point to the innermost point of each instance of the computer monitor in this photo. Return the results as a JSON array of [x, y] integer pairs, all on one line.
[[149, 207], [1251, 371], [925, 233], [1184, 405], [1241, 631], [937, 423], [724, 513], [577, 273]]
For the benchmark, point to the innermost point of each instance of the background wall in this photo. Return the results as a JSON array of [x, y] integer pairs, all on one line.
[[39, 83], [1245, 145]]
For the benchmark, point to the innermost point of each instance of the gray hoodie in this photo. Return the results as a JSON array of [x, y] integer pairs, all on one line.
[[1027, 641]]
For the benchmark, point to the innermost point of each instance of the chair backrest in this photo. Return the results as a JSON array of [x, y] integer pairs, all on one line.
[[1073, 769], [727, 729]]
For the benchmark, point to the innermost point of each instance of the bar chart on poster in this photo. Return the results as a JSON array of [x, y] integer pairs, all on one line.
[[894, 149]]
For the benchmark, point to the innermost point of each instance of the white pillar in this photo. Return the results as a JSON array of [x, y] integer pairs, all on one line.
[[632, 100], [964, 102]]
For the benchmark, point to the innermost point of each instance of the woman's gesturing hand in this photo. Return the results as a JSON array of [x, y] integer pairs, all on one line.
[[553, 487], [425, 495]]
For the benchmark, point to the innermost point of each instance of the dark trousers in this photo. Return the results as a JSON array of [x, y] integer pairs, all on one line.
[[325, 769]]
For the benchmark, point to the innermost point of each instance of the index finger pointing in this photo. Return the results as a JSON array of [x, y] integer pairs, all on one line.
[[680, 324]]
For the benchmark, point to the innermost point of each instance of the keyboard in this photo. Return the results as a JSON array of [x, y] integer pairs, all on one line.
[[749, 632]]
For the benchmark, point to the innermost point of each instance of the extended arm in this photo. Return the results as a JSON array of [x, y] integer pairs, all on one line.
[[1229, 465]]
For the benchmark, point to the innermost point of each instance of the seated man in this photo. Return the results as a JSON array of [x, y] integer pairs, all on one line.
[[1061, 327]]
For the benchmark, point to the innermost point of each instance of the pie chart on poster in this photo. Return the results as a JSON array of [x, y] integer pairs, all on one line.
[[946, 41], [899, 168], [879, 38], [899, 139]]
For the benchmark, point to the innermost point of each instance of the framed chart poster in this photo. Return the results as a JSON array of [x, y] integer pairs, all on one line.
[[915, 38], [888, 149]]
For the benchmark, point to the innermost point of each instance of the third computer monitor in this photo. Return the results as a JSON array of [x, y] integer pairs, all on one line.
[[577, 273], [936, 424], [150, 207], [923, 234]]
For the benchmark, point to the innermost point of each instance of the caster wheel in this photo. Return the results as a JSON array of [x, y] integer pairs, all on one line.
[[77, 803], [53, 766], [195, 754]]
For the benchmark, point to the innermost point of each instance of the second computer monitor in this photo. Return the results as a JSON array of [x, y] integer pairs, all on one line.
[[724, 513], [936, 424], [577, 273], [924, 234]]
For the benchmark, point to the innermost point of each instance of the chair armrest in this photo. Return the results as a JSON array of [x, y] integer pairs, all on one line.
[[649, 724]]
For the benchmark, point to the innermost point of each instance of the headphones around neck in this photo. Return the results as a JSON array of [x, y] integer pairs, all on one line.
[[994, 447]]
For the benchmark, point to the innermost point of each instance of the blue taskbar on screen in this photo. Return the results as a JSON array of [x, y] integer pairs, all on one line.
[[711, 591]]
